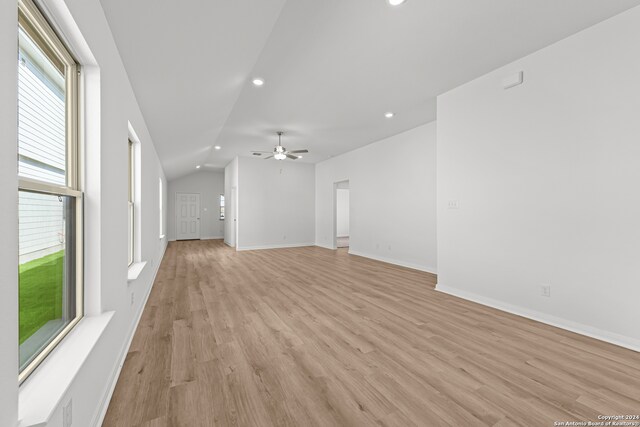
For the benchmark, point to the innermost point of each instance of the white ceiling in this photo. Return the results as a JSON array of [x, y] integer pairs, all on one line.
[[332, 67]]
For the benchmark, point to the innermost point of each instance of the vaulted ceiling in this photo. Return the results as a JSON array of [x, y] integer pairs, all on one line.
[[332, 68]]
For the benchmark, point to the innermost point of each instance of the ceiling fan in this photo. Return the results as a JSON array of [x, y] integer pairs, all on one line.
[[279, 152]]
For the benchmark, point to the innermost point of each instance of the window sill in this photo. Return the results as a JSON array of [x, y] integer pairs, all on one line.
[[135, 270], [42, 392]]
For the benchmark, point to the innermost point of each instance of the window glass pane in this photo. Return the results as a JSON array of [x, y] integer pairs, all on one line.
[[41, 115], [130, 165], [46, 271], [131, 241], [160, 197], [131, 203]]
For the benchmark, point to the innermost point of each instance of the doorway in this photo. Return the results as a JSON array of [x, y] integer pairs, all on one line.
[[187, 216], [341, 214]]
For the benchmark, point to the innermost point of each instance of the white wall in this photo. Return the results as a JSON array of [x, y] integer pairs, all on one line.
[[342, 212], [547, 179], [210, 185], [110, 106], [276, 206], [8, 215], [392, 198], [230, 188]]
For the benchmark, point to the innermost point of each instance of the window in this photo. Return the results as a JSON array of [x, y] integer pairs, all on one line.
[[49, 194], [222, 206], [160, 198], [131, 203]]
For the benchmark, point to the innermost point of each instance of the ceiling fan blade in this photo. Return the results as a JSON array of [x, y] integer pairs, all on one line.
[[268, 157], [292, 157], [298, 151]]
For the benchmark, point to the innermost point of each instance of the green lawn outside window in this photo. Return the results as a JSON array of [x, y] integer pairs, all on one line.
[[40, 293]]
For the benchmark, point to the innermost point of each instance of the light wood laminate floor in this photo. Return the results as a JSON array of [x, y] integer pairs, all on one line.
[[314, 337]]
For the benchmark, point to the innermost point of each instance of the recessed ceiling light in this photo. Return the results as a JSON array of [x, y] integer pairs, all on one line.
[[299, 157], [395, 2], [258, 82], [217, 147], [198, 167], [389, 115]]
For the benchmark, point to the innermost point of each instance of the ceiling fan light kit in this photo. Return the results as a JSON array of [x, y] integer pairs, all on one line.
[[279, 152]]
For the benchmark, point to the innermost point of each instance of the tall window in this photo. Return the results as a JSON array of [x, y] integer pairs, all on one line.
[[49, 194], [132, 206], [160, 203], [222, 206]]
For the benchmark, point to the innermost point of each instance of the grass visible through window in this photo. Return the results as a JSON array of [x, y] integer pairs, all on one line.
[[40, 293]]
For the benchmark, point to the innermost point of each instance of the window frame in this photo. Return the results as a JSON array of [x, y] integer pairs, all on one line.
[[33, 22], [131, 202], [161, 206]]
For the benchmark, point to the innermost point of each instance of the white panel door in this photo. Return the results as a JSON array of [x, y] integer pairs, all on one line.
[[187, 216]]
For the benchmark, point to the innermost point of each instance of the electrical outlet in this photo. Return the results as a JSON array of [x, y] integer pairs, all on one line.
[[545, 290], [133, 297], [453, 204], [67, 413]]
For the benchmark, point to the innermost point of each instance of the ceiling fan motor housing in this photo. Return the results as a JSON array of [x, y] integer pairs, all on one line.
[[280, 152]]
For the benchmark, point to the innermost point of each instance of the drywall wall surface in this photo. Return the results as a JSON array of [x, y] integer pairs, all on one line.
[[392, 198], [210, 185], [9, 215], [276, 206], [231, 201], [538, 184], [342, 212]]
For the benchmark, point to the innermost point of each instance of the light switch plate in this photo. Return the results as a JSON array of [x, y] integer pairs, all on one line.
[[545, 290]]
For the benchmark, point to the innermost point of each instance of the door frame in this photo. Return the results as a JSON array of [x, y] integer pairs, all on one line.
[[175, 213], [336, 185]]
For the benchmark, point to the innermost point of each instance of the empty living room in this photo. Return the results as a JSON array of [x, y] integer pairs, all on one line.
[[320, 213]]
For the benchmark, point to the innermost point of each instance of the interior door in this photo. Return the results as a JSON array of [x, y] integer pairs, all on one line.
[[187, 216]]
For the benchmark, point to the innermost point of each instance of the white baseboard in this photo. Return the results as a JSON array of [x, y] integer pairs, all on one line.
[[202, 238], [212, 238], [261, 247], [578, 328], [115, 374], [425, 268], [325, 246]]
